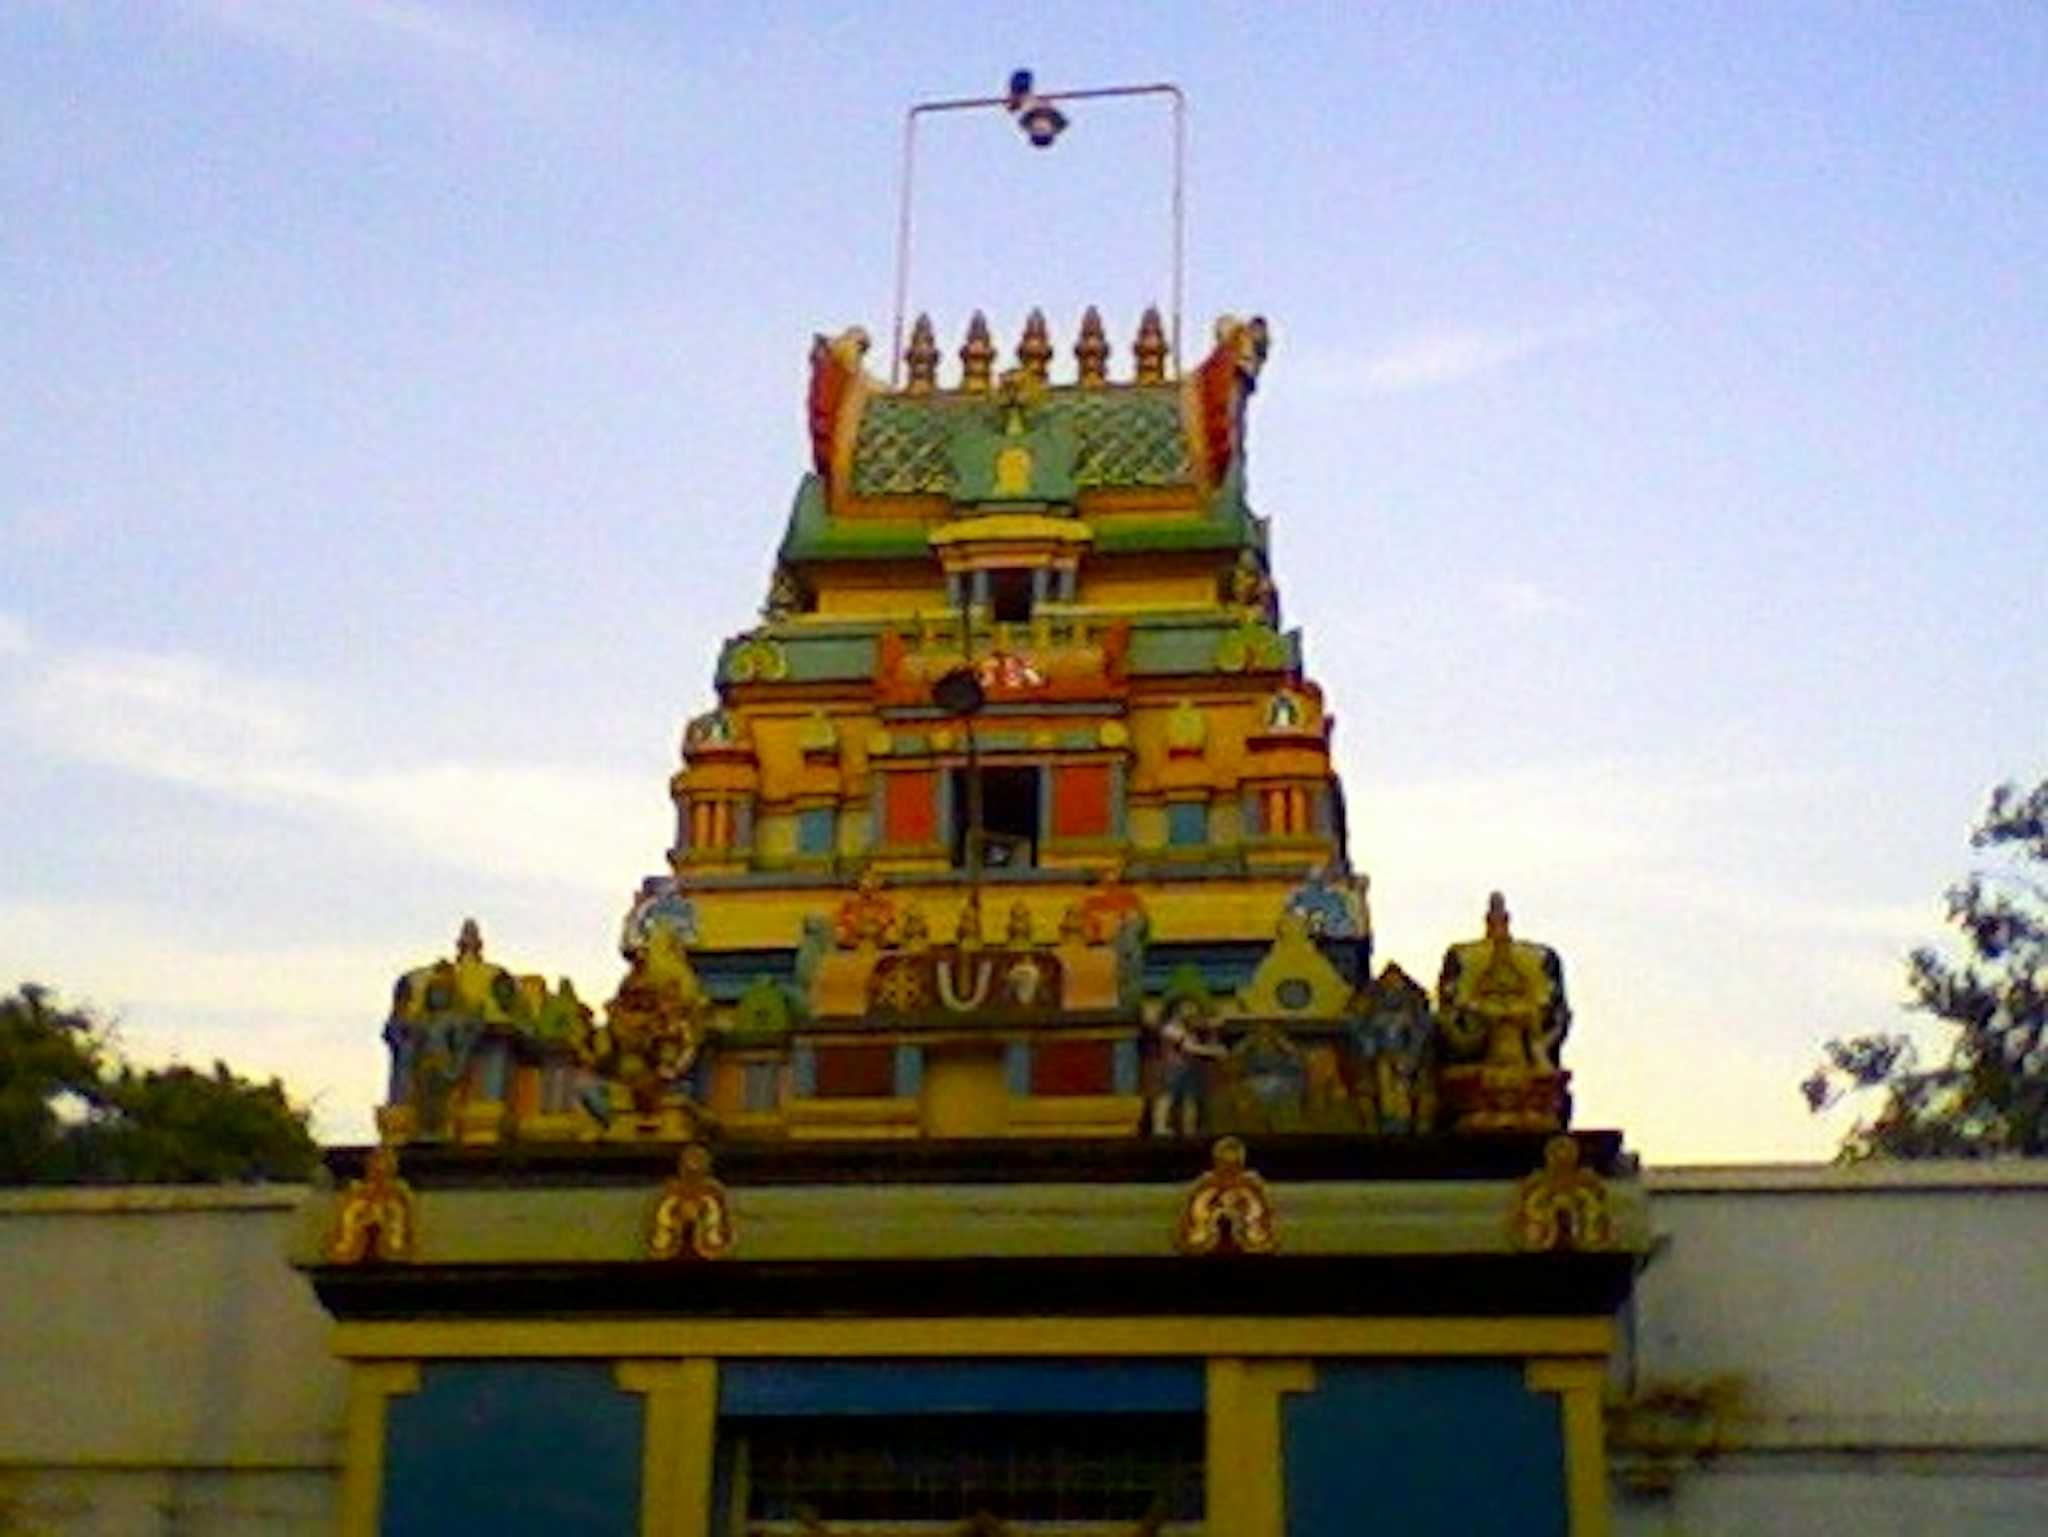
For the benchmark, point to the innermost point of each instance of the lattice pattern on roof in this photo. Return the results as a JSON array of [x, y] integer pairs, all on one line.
[[1122, 437], [901, 447]]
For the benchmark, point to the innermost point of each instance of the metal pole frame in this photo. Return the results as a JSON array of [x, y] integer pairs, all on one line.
[[982, 103]]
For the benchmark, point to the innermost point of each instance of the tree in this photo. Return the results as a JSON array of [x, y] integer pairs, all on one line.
[[1990, 1097], [73, 1110]]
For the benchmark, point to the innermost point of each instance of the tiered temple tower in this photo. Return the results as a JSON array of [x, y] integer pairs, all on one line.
[[1015, 816], [1000, 1125]]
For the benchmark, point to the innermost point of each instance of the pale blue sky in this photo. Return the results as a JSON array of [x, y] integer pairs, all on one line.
[[398, 400]]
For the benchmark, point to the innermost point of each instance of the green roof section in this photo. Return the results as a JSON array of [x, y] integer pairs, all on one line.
[[1129, 437], [815, 535], [1162, 645]]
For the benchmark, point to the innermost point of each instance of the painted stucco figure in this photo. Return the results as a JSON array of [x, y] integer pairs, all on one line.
[[1503, 1015]]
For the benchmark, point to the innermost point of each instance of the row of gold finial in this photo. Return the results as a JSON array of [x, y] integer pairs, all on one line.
[[1034, 353]]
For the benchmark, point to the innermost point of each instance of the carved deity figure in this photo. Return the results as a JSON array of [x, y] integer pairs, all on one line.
[[967, 934], [1395, 1039], [1502, 1014], [867, 918], [1503, 998], [1187, 1043], [1269, 1082], [1017, 934], [1251, 590], [438, 1015], [653, 1029], [785, 595]]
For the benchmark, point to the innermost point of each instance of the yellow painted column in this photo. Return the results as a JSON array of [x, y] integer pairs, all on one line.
[[371, 1385], [1578, 1384], [1245, 1470], [679, 1445]]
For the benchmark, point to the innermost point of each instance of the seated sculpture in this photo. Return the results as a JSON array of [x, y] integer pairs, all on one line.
[[1502, 1013]]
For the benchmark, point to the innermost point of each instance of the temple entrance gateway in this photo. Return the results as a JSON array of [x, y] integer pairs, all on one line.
[[1105, 1182]]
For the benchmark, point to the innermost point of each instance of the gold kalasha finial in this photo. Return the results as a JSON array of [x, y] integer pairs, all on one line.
[[922, 356], [1091, 352], [977, 357], [1034, 350], [1150, 348]]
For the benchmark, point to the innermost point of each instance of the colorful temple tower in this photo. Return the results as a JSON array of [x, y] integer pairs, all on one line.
[[1000, 1124]]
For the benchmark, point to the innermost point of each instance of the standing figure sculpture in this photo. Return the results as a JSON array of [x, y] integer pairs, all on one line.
[[1187, 1043], [1395, 1040]]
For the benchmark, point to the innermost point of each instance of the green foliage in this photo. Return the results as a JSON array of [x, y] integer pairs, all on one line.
[[1990, 1097], [73, 1111]]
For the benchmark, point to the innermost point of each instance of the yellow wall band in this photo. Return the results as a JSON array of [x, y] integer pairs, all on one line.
[[930, 1337]]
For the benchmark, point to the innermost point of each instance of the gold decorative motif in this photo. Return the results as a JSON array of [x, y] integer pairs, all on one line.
[[977, 357], [693, 1218], [922, 356], [1091, 352], [1034, 348], [1561, 1205], [1227, 1210], [376, 1218], [1150, 348]]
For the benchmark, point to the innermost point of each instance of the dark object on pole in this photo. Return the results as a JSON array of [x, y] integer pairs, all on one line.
[[1041, 121], [959, 693]]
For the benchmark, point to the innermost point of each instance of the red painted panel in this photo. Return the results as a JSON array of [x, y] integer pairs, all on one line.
[[1072, 1067], [1080, 801], [856, 1072], [910, 807]]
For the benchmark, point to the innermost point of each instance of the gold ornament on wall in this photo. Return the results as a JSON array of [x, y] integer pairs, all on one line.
[[376, 1220], [1562, 1205], [693, 1217], [1227, 1210]]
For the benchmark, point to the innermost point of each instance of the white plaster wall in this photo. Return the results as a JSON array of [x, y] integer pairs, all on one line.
[[162, 1369], [1887, 1329]]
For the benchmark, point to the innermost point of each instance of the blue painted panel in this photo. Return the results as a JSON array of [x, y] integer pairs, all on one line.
[[1187, 824], [761, 1086], [1459, 1447], [494, 1448], [816, 830], [1017, 1069], [803, 1071], [909, 1071], [1124, 1067], [787, 1388]]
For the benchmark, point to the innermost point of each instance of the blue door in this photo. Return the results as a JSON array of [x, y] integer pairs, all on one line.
[[1421, 1449]]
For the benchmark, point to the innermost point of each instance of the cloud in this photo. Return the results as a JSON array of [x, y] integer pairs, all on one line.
[[1452, 354], [14, 639], [448, 33], [308, 1014], [1519, 598], [188, 721]]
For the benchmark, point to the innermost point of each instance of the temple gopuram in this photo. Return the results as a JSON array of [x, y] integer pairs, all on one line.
[[1002, 1123]]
